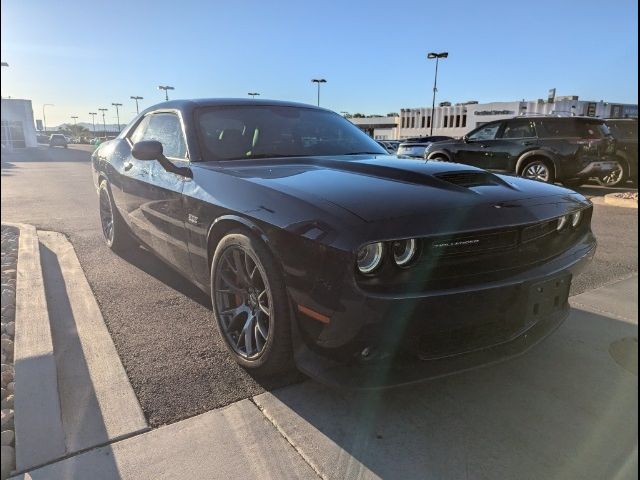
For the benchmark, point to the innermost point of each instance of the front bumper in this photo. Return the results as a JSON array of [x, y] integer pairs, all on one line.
[[416, 337]]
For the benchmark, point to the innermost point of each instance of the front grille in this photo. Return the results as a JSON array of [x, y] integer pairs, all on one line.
[[451, 245], [538, 230]]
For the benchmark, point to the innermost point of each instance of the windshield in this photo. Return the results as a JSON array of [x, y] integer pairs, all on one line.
[[244, 132]]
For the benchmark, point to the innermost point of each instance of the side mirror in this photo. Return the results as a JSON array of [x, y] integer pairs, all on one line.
[[147, 150], [152, 150], [465, 139]]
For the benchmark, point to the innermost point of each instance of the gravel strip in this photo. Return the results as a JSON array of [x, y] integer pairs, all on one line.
[[626, 195], [9, 261]]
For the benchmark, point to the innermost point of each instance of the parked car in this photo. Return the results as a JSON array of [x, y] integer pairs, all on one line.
[[320, 249], [625, 131], [415, 147], [58, 140], [548, 149], [390, 146]]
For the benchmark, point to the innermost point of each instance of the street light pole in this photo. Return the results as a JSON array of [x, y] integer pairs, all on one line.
[[166, 88], [75, 125], [253, 94], [117, 113], [93, 119], [437, 56], [318, 81], [44, 118], [136, 99], [104, 122]]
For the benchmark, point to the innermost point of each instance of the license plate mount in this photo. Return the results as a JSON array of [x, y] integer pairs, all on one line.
[[547, 297]]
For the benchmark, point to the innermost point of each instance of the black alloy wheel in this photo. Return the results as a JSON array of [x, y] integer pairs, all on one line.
[[115, 231], [250, 303], [244, 302], [106, 215]]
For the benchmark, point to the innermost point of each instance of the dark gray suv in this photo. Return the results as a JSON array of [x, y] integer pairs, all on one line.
[[550, 149]]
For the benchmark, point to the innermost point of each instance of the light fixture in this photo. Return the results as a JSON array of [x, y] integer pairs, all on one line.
[[404, 251], [370, 257]]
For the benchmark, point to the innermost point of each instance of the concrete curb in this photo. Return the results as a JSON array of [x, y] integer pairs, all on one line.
[[91, 378], [611, 199], [233, 442], [37, 417]]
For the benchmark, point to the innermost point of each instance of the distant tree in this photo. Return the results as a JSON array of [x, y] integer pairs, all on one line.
[[358, 115], [393, 114], [374, 116]]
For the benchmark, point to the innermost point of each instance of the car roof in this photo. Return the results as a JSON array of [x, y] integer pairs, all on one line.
[[552, 117], [228, 102]]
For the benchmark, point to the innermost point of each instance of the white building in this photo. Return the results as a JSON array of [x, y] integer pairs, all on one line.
[[457, 120], [18, 129]]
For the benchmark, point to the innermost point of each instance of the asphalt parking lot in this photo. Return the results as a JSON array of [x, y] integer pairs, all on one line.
[[161, 325]]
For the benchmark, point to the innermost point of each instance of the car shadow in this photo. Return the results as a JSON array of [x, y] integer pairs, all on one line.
[[149, 263], [567, 409]]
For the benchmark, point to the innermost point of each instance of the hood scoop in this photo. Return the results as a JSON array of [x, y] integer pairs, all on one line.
[[472, 179]]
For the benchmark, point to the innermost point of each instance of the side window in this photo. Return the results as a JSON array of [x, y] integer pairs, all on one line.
[[488, 132], [138, 132], [166, 129], [519, 129]]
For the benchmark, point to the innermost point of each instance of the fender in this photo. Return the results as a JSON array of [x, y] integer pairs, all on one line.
[[535, 153], [441, 152], [236, 219]]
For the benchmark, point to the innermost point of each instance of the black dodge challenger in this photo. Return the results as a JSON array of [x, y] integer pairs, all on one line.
[[318, 247]]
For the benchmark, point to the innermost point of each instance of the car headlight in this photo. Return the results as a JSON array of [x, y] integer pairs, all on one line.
[[562, 222], [369, 257], [404, 251], [575, 218]]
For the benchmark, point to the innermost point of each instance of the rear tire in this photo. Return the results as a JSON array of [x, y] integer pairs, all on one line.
[[115, 231], [251, 304], [615, 178], [538, 169]]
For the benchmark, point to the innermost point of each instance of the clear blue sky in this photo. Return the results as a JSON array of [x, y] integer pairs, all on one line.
[[83, 55]]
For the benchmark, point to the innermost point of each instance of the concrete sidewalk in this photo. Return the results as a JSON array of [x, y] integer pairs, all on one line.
[[567, 409]]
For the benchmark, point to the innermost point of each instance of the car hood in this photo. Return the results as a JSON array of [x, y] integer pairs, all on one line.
[[386, 187]]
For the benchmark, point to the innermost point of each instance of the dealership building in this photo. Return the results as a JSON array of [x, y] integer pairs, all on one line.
[[18, 129], [458, 119]]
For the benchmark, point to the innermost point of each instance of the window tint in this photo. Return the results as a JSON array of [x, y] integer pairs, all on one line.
[[571, 128], [166, 129], [628, 129], [519, 129], [487, 132], [138, 132]]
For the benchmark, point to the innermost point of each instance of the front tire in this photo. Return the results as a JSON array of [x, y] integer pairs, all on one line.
[[538, 169], [250, 304], [115, 231]]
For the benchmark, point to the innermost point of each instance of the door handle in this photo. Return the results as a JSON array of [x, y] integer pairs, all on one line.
[[128, 166], [527, 143], [483, 146]]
